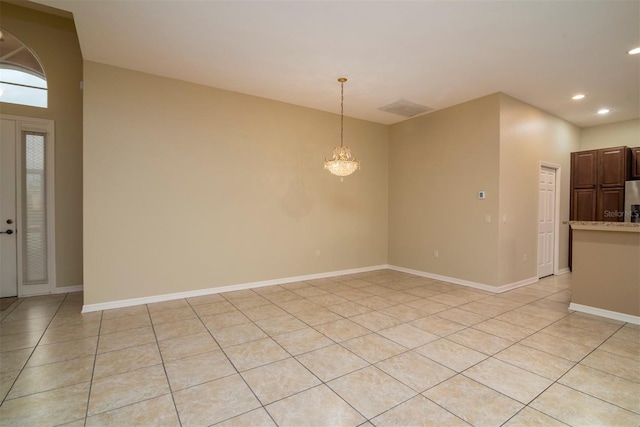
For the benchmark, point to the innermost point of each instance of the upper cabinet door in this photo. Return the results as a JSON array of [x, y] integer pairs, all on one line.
[[635, 163], [612, 166], [584, 169]]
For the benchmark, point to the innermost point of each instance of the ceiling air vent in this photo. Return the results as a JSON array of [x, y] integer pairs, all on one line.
[[405, 108]]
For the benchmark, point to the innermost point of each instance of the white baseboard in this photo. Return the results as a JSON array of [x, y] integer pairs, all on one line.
[[563, 271], [68, 289], [209, 291], [518, 284], [605, 313], [476, 285]]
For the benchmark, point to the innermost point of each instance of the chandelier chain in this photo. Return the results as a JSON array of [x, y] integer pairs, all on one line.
[[341, 113]]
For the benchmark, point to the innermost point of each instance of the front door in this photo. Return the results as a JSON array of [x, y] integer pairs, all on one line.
[[8, 236], [26, 206]]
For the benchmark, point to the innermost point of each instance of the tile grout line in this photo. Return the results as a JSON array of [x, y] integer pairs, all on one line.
[[376, 332], [13, 383], [408, 350], [164, 368], [234, 367], [525, 405], [583, 358], [492, 356], [556, 381], [11, 308], [93, 370], [312, 326], [294, 358], [369, 364]]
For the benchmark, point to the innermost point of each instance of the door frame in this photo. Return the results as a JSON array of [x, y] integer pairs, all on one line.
[[46, 126], [556, 215]]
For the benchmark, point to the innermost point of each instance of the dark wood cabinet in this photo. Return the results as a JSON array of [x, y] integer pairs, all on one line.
[[612, 166], [593, 172], [597, 185], [584, 169], [611, 204], [584, 206], [635, 163]]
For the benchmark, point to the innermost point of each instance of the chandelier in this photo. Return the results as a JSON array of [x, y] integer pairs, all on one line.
[[342, 163]]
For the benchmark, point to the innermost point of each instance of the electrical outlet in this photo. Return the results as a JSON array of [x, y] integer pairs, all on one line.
[[317, 252], [487, 219], [436, 254]]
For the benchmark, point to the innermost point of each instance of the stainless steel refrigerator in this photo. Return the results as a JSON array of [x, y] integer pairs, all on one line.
[[632, 201]]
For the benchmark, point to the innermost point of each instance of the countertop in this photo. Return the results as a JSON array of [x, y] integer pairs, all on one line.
[[629, 227]]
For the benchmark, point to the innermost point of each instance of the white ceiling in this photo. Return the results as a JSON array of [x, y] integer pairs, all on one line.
[[434, 53]]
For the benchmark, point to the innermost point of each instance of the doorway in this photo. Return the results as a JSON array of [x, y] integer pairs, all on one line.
[[548, 220], [27, 265]]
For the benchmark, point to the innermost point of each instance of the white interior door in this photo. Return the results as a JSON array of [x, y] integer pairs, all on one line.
[[8, 213], [546, 221]]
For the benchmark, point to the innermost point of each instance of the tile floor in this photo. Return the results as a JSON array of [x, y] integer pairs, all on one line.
[[381, 348]]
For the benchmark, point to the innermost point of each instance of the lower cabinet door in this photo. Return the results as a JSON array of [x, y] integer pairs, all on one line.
[[611, 204], [584, 206]]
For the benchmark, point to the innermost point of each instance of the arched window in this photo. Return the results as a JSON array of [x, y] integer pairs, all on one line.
[[22, 78]]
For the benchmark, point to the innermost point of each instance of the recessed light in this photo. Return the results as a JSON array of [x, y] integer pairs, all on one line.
[[634, 51], [578, 96], [603, 111]]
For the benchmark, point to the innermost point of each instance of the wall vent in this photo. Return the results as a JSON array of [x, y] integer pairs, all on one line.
[[405, 108]]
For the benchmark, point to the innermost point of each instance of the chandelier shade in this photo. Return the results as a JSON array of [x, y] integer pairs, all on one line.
[[343, 163]]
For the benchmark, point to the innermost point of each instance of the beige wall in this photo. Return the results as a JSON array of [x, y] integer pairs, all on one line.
[[189, 187], [612, 135], [55, 42], [529, 136], [606, 271], [437, 164]]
